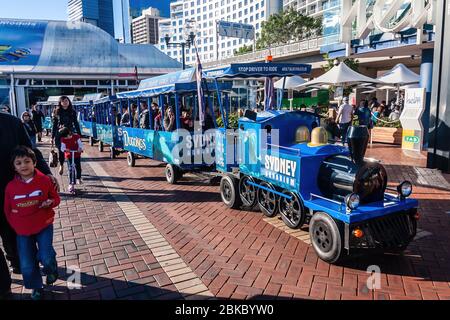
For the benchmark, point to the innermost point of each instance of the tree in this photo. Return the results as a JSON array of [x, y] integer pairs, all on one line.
[[287, 26], [243, 50]]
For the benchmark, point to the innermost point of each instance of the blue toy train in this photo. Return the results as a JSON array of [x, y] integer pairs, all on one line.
[[281, 162], [276, 160]]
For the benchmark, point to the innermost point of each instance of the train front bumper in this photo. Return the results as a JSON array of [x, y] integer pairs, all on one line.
[[393, 231]]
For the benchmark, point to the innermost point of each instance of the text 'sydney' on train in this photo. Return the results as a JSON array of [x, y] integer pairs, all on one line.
[[278, 161]]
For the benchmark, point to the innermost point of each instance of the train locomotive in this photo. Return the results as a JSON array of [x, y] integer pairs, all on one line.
[[282, 162]]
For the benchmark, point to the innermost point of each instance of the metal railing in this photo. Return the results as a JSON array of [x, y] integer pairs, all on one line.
[[291, 49]]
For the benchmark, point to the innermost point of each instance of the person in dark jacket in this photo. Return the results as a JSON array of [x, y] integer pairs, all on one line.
[[12, 134], [30, 126], [65, 116], [38, 118]]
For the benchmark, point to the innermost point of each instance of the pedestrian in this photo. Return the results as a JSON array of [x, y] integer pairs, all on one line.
[[38, 119], [30, 127], [364, 115], [29, 201], [12, 134], [344, 118], [65, 116], [70, 142], [395, 114], [375, 115]]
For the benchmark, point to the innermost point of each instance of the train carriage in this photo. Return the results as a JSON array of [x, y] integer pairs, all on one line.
[[107, 129], [182, 149], [86, 116]]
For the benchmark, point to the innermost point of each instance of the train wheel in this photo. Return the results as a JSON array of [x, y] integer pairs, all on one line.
[[229, 191], [247, 192], [112, 153], [91, 141], [131, 159], [100, 146], [267, 200], [172, 174], [325, 237], [292, 211]]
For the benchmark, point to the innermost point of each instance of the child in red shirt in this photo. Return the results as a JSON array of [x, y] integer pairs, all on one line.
[[72, 142], [29, 201]]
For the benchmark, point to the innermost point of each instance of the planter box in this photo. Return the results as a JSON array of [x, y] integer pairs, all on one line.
[[387, 135]]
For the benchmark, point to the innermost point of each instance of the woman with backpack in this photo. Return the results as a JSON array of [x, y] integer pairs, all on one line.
[[65, 116]]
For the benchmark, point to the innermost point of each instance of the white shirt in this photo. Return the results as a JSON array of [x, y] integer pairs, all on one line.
[[346, 111]]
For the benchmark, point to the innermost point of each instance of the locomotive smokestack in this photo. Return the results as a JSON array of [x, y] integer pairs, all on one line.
[[358, 137]]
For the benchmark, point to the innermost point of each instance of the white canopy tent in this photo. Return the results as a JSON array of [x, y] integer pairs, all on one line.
[[289, 82], [400, 76], [340, 75]]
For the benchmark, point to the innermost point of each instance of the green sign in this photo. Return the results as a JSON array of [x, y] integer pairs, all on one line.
[[412, 139]]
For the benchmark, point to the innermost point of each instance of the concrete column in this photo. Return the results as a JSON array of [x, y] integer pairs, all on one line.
[[439, 143], [426, 80]]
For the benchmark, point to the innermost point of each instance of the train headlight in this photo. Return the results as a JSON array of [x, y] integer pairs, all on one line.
[[352, 201], [404, 189]]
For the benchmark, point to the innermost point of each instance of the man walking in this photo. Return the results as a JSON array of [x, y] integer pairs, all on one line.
[[344, 119]]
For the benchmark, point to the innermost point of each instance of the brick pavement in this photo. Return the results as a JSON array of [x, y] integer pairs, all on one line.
[[235, 254], [241, 254], [102, 239]]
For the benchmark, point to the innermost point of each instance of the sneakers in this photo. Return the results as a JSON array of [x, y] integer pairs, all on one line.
[[51, 279], [79, 181], [71, 188], [61, 170], [36, 294]]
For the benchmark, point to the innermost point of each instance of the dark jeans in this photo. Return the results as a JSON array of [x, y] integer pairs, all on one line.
[[344, 128], [77, 167], [5, 278], [60, 153], [30, 256], [8, 236]]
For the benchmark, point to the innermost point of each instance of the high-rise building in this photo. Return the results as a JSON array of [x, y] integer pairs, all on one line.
[[137, 6], [145, 27], [127, 10], [97, 12], [204, 14]]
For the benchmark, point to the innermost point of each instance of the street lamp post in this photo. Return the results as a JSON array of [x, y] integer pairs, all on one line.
[[189, 41]]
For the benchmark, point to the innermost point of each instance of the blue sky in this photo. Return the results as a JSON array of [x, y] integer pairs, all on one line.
[[34, 9]]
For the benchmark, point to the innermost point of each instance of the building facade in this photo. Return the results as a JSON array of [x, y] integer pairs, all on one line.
[[145, 28], [202, 15], [100, 13], [54, 63]]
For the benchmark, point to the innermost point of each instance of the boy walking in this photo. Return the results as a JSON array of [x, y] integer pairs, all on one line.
[[29, 201]]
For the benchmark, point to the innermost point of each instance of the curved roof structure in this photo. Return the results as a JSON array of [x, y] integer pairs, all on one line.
[[74, 48]]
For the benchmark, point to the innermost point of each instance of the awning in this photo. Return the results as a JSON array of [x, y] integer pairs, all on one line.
[[400, 75], [258, 70], [179, 88]]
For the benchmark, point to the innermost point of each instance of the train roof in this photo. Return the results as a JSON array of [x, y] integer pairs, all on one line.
[[257, 70]]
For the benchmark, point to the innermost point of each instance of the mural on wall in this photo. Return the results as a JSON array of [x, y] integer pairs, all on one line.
[[21, 43]]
